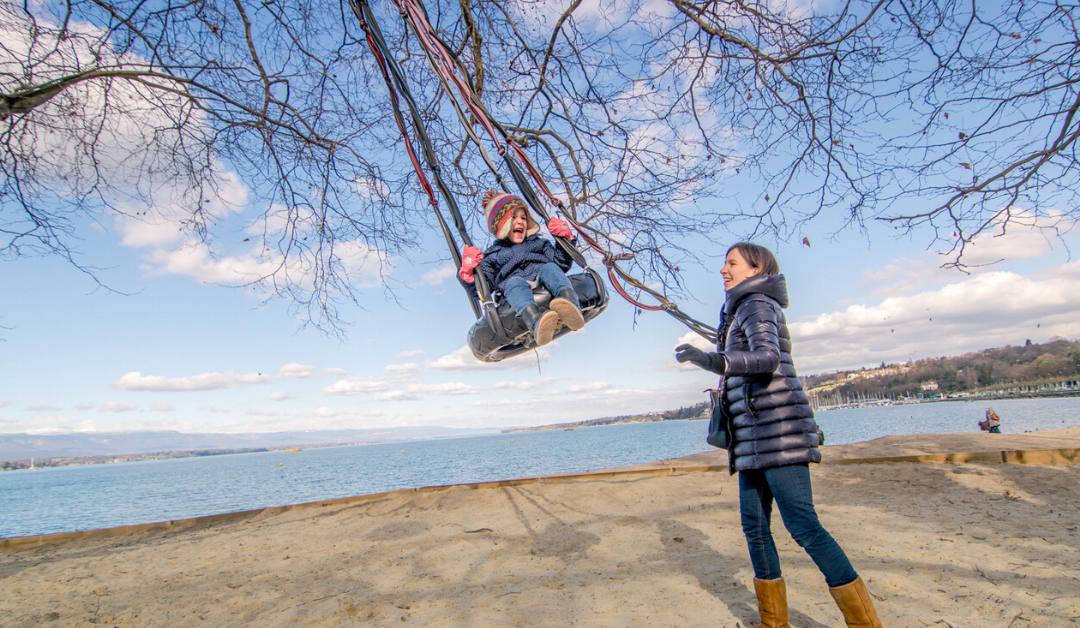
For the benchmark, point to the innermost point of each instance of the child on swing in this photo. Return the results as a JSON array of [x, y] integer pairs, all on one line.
[[521, 259]]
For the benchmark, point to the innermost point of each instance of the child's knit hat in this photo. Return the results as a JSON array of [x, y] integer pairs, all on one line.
[[499, 208]]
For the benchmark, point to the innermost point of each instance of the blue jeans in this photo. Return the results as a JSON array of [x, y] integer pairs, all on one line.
[[790, 487], [520, 295]]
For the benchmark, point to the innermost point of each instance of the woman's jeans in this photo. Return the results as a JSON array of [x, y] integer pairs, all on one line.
[[790, 487], [520, 295]]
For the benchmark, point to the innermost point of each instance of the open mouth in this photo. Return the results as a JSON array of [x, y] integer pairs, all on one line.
[[519, 230]]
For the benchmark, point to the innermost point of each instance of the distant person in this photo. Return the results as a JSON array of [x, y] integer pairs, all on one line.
[[520, 260], [992, 422], [773, 436]]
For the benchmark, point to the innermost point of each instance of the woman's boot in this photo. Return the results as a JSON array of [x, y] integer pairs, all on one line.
[[565, 304], [541, 323], [772, 603], [855, 604]]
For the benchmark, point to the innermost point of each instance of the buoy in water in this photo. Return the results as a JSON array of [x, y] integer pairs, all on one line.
[[281, 464]]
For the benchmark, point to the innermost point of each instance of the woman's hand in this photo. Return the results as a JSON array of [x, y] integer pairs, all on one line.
[[713, 362], [470, 259], [560, 229]]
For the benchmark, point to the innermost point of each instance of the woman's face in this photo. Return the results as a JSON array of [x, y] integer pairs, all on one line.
[[518, 225], [736, 270]]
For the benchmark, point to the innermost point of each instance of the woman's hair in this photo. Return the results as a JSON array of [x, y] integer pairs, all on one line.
[[758, 257]]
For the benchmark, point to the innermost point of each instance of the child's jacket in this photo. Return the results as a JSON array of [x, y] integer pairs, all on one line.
[[504, 260]]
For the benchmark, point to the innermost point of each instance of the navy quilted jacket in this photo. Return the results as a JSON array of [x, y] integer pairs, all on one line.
[[504, 260], [770, 416]]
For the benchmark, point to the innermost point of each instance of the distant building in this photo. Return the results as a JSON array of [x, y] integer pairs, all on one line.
[[930, 385]]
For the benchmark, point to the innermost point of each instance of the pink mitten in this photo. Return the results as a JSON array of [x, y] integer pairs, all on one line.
[[470, 259], [560, 229]]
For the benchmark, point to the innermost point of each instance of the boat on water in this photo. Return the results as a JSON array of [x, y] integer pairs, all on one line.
[[292, 450], [568, 429]]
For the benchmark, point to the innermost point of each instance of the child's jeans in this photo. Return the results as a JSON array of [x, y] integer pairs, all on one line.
[[519, 294]]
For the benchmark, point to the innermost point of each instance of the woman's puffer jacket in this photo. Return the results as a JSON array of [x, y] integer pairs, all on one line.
[[770, 416]]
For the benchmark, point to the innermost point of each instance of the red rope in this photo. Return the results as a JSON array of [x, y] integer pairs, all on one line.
[[400, 123]]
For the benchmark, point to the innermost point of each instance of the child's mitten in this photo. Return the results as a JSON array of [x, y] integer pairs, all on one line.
[[560, 229], [470, 259]]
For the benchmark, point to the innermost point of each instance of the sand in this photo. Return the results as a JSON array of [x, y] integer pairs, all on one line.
[[975, 545]]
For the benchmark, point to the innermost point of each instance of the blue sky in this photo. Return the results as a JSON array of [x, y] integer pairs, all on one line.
[[168, 346], [180, 352]]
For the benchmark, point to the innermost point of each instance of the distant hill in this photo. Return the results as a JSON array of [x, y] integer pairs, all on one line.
[[696, 411], [1002, 367], [84, 444]]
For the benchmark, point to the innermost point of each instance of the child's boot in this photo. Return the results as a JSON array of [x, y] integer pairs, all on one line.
[[542, 324], [565, 303]]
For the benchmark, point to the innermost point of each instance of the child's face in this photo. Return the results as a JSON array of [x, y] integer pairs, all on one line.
[[518, 224]]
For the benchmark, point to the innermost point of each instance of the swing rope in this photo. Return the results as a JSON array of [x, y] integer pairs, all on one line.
[[392, 74], [446, 67]]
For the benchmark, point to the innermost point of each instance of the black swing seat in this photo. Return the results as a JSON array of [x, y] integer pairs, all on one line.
[[489, 346]]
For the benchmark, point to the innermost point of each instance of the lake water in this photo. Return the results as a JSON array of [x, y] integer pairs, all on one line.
[[63, 499]]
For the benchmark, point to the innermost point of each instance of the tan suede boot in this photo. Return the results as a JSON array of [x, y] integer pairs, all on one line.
[[855, 603], [772, 603]]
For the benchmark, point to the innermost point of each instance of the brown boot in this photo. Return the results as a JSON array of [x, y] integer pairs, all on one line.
[[569, 313], [855, 603], [772, 603]]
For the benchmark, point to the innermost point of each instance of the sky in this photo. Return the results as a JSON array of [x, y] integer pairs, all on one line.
[[167, 346]]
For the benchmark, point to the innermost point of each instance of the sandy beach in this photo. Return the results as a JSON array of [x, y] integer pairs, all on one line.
[[974, 545]]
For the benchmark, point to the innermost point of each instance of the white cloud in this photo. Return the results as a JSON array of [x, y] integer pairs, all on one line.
[[205, 381], [463, 360], [293, 369], [266, 413], [450, 388], [524, 385], [1024, 237], [502, 403], [325, 413], [438, 275], [983, 310], [593, 387], [281, 396], [42, 409], [396, 395], [84, 406], [51, 424], [4, 404], [118, 406], [162, 407], [690, 338], [400, 369], [356, 386], [335, 371], [413, 392], [415, 353], [214, 409]]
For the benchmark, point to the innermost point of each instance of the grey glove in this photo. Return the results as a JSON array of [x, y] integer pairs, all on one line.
[[712, 362]]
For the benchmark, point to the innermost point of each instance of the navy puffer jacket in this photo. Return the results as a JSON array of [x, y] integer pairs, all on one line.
[[770, 416], [504, 260]]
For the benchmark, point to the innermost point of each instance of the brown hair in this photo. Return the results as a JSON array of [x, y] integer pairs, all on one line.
[[758, 257]]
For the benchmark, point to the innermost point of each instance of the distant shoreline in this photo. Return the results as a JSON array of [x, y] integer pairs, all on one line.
[[653, 417], [76, 461]]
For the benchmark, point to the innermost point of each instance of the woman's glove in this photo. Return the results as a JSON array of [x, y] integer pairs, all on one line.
[[560, 228], [470, 259], [712, 362]]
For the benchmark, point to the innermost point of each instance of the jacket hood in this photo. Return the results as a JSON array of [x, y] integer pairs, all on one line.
[[772, 286]]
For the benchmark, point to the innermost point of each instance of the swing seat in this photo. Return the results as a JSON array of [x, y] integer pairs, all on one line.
[[489, 346]]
